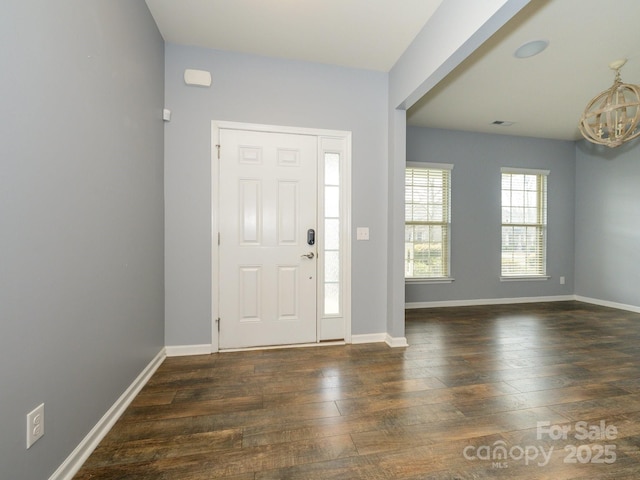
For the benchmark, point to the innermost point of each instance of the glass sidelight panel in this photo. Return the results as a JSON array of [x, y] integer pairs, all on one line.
[[331, 256]]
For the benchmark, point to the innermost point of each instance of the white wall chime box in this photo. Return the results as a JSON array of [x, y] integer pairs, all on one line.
[[200, 78]]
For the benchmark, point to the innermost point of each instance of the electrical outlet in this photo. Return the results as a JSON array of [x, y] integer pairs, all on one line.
[[362, 233], [561, 280], [35, 424]]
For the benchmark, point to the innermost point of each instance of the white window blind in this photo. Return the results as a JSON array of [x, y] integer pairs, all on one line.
[[524, 222], [427, 220]]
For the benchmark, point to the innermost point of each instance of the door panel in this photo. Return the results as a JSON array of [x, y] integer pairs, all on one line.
[[288, 293], [250, 294], [250, 214], [288, 213], [268, 201]]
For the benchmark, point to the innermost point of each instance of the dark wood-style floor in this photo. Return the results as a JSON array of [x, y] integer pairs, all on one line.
[[474, 379]]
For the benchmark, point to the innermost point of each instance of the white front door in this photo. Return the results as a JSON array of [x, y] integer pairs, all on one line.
[[268, 269]]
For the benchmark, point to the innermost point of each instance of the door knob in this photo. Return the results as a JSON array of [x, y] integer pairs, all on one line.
[[309, 255]]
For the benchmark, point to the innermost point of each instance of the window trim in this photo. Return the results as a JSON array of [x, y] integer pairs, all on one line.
[[414, 280], [523, 278], [435, 166], [427, 165], [525, 171], [542, 173]]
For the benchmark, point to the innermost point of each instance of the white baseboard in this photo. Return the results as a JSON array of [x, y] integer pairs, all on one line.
[[73, 462], [488, 301], [502, 301], [186, 350], [380, 338], [605, 303], [396, 342], [369, 338]]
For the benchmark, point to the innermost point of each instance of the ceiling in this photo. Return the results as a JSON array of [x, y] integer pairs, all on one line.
[[369, 34], [543, 95]]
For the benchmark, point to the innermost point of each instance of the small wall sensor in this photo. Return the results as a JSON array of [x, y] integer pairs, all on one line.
[[166, 115], [200, 78]]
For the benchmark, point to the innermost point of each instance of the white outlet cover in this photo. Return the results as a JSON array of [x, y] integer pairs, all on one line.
[[35, 424], [362, 233]]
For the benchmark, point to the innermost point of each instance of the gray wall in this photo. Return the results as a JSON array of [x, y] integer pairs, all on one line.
[[475, 211], [608, 222], [81, 241], [262, 90]]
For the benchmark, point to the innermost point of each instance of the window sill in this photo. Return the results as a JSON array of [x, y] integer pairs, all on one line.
[[525, 278], [428, 280]]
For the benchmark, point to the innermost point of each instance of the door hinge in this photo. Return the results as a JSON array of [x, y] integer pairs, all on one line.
[[218, 148], [218, 322], [218, 238]]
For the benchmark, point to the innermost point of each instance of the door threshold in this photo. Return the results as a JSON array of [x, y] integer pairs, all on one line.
[[275, 347]]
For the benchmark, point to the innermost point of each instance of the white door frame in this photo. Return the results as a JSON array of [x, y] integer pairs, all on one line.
[[345, 231]]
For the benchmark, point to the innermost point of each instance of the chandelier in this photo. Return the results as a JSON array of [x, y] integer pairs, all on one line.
[[612, 117]]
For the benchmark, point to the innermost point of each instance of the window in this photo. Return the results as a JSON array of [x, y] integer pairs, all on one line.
[[331, 242], [524, 222], [427, 221]]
